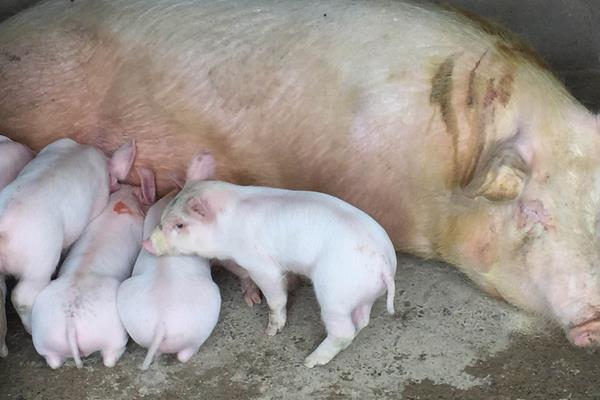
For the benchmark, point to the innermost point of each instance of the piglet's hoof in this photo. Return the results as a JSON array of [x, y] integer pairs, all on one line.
[[3, 350], [312, 361], [585, 334], [274, 326], [251, 292]]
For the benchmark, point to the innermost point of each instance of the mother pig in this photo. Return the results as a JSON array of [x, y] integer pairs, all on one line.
[[449, 132]]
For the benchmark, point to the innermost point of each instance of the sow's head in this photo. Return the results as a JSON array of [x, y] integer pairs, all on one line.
[[524, 225]]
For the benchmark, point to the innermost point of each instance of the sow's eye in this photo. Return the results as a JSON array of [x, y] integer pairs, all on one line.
[[179, 226]]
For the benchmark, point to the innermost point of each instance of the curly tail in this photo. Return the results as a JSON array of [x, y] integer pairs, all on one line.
[[390, 284], [72, 339], [153, 349]]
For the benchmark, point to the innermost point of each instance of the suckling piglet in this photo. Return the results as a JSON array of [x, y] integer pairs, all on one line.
[[76, 315], [13, 157], [47, 207], [347, 255], [170, 304]]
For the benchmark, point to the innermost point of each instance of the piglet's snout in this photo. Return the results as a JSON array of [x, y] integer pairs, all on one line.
[[157, 243], [147, 244]]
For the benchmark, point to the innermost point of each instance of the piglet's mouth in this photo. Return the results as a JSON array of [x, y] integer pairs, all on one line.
[[157, 244]]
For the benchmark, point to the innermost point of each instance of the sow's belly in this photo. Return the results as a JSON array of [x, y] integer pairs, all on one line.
[[342, 105]]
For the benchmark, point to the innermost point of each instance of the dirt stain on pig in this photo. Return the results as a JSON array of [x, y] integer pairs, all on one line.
[[505, 88], [471, 87], [441, 95]]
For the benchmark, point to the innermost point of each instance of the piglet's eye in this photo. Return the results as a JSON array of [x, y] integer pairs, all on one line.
[[179, 226]]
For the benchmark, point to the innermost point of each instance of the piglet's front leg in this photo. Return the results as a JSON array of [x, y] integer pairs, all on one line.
[[272, 283]]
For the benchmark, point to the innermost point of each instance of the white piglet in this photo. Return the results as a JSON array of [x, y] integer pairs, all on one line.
[[13, 157], [76, 315], [347, 255], [47, 207], [170, 304]]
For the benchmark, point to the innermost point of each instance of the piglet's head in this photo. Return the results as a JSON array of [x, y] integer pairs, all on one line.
[[190, 222]]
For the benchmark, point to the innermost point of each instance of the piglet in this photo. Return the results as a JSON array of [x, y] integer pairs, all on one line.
[[13, 157], [347, 255], [47, 207], [170, 304], [76, 314]]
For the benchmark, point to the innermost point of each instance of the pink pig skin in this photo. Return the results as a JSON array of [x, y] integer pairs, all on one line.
[[76, 314], [13, 157], [47, 207], [170, 304]]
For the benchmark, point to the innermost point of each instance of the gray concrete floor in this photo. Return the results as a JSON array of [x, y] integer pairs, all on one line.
[[447, 341]]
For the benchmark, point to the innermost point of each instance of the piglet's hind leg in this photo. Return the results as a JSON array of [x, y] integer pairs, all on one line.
[[361, 316], [340, 333], [54, 361], [185, 354], [110, 357], [23, 297]]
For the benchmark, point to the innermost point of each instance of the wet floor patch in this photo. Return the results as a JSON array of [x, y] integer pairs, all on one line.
[[533, 367]]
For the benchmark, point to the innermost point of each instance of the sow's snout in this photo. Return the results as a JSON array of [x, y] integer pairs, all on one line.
[[585, 334]]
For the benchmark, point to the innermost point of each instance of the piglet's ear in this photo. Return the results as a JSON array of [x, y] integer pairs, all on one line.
[[201, 167], [501, 178], [122, 160], [176, 180], [148, 186], [200, 208]]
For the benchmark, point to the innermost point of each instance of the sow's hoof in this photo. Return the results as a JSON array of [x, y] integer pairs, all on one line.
[[585, 334]]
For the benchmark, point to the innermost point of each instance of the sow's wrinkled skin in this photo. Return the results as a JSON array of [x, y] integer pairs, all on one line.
[[13, 157], [170, 304], [76, 315], [47, 207], [450, 132], [346, 254]]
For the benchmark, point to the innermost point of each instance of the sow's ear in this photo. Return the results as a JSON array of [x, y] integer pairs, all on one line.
[[502, 177], [201, 167]]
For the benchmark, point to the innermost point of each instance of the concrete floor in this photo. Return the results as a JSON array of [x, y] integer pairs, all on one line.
[[446, 341]]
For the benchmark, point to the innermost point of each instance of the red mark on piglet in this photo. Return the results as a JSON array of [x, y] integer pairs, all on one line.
[[121, 208]]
